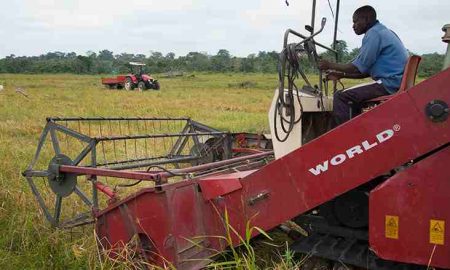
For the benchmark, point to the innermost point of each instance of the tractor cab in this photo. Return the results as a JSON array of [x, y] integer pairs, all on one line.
[[136, 68]]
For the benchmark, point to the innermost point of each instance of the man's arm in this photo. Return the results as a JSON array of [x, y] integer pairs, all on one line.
[[337, 75], [345, 68], [339, 71]]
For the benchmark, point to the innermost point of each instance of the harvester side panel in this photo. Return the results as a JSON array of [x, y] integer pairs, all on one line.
[[409, 215], [138, 214], [294, 189], [169, 223]]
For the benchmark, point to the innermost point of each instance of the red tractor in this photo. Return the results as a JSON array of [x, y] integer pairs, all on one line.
[[135, 79]]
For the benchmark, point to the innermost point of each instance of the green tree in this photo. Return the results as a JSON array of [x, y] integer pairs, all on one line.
[[106, 55], [248, 63], [341, 49], [84, 64], [221, 61], [431, 64]]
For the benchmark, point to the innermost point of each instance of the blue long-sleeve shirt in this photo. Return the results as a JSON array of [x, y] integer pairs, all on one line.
[[383, 56]]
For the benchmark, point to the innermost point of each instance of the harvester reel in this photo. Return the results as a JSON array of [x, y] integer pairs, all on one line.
[[62, 184], [107, 144]]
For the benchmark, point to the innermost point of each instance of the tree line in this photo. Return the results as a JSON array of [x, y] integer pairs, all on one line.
[[106, 62]]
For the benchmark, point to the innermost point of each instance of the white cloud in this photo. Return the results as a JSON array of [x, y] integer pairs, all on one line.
[[243, 27], [99, 13]]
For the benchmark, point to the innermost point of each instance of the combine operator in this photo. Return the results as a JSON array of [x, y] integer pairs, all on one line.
[[382, 57]]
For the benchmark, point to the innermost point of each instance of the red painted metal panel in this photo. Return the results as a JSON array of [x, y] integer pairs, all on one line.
[[171, 219], [294, 189], [215, 186], [110, 81], [145, 213], [117, 80], [415, 196], [146, 77]]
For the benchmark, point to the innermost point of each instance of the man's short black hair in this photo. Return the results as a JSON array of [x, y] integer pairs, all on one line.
[[367, 11]]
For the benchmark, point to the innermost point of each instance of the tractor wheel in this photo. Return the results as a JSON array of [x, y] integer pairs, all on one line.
[[156, 86], [141, 86], [128, 85]]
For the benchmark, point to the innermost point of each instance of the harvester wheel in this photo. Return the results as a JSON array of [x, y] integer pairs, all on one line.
[[128, 84], [156, 86], [141, 86]]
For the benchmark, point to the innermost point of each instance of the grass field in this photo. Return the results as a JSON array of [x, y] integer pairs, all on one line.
[[26, 239]]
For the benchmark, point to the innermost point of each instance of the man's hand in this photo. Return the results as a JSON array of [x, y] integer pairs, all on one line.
[[334, 76], [324, 65]]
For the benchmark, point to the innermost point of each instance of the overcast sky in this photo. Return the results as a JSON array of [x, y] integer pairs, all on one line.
[[34, 27]]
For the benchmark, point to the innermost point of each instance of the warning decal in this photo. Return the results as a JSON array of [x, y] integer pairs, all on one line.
[[437, 231], [391, 227]]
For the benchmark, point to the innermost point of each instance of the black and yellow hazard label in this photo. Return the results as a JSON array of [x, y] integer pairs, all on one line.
[[437, 231], [391, 227]]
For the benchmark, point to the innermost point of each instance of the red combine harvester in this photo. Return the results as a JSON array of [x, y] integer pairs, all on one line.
[[135, 79], [372, 192]]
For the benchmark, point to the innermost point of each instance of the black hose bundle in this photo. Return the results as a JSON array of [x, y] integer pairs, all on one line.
[[288, 68]]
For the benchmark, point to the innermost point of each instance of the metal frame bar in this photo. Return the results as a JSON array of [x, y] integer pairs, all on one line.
[[55, 142], [152, 163], [116, 138], [336, 21], [150, 176], [181, 141], [305, 38], [39, 147], [40, 200], [313, 16], [85, 152], [83, 196], [203, 128], [93, 178], [65, 119], [70, 132], [106, 172], [152, 160]]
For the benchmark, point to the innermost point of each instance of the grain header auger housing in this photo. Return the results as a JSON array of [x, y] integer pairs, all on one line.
[[373, 192]]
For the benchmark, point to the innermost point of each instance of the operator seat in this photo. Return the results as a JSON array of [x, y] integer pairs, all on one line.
[[408, 80]]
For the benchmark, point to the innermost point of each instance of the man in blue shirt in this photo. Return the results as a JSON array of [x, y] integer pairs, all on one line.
[[382, 57]]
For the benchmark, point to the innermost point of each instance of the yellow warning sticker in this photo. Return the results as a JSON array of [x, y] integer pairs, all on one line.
[[391, 227], [437, 231]]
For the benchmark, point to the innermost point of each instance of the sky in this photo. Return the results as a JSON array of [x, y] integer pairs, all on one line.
[[34, 27]]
